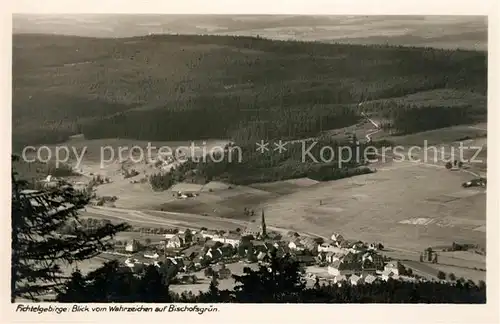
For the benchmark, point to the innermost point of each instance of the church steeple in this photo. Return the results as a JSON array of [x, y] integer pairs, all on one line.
[[263, 232]]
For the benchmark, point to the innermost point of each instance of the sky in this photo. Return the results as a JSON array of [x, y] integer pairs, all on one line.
[[465, 32]]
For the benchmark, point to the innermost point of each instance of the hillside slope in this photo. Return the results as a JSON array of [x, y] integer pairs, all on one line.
[[172, 87]]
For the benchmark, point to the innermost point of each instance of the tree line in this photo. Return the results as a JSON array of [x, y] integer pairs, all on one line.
[[344, 159]]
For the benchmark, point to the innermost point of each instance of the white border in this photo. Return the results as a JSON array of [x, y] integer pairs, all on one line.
[[273, 313]]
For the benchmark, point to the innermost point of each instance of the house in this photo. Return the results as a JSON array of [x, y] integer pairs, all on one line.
[[351, 257], [209, 234], [345, 244], [333, 268], [394, 267], [281, 250], [174, 261], [198, 237], [134, 265], [151, 255], [337, 237], [333, 256], [188, 266], [296, 245], [355, 279], [388, 274], [357, 247], [321, 257], [344, 266], [372, 262], [261, 256], [330, 247], [192, 251], [129, 262], [168, 236], [406, 278], [252, 230], [309, 244], [340, 279], [132, 246], [175, 242], [232, 239], [369, 279], [214, 254]]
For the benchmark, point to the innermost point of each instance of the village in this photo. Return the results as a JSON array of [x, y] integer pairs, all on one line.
[[194, 256]]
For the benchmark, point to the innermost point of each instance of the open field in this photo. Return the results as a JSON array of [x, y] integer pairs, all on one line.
[[162, 219], [468, 274], [228, 203], [285, 187], [439, 136], [435, 98], [372, 207]]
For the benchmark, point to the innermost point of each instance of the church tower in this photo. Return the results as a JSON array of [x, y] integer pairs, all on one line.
[[263, 232]]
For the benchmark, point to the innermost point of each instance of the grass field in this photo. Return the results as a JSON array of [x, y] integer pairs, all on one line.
[[438, 136], [371, 207]]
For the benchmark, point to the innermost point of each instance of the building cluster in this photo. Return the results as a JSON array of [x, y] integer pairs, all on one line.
[[343, 260], [356, 262]]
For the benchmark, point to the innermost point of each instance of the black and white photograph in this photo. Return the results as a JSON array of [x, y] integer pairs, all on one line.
[[209, 159]]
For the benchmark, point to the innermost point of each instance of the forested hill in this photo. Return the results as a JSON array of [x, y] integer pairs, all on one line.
[[167, 87]]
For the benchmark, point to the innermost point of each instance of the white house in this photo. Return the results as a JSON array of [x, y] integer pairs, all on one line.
[[355, 279], [132, 246], [214, 253], [333, 269], [331, 257], [169, 236], [175, 242], [296, 245], [129, 263], [394, 267], [151, 256], [329, 247], [234, 240], [261, 255], [388, 274], [340, 279], [337, 237], [210, 234], [370, 279]]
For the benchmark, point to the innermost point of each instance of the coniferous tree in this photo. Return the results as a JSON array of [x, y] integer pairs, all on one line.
[[278, 281], [38, 250]]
